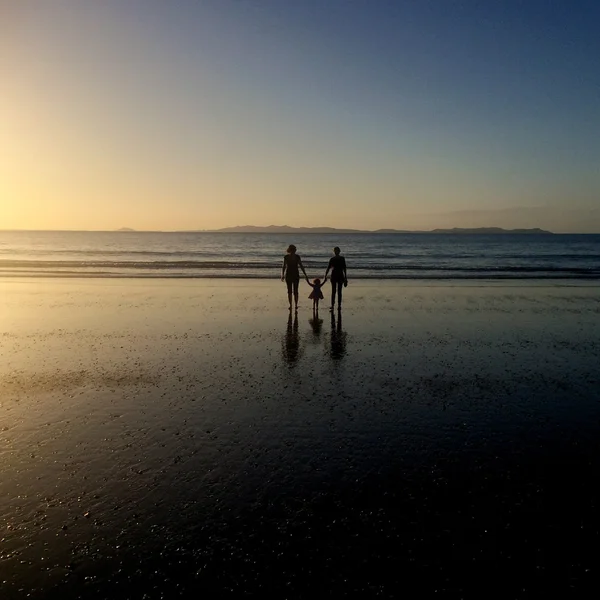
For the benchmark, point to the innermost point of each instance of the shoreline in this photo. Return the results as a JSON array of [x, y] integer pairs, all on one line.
[[275, 279]]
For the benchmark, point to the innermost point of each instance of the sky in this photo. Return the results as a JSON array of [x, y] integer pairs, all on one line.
[[201, 114]]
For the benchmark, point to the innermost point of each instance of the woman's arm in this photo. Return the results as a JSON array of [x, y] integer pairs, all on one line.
[[302, 267], [283, 268], [328, 268], [344, 265]]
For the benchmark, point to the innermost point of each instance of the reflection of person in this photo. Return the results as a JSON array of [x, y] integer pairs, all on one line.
[[339, 278], [316, 324], [338, 337], [290, 273], [316, 293], [291, 341]]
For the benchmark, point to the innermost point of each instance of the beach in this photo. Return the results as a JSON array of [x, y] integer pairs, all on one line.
[[172, 438]]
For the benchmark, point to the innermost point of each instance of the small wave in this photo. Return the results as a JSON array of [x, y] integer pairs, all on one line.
[[372, 277], [133, 264], [249, 264]]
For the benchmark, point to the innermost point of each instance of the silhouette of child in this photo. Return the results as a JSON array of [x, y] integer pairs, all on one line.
[[316, 293]]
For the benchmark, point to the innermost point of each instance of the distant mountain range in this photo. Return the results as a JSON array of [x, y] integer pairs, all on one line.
[[455, 230]]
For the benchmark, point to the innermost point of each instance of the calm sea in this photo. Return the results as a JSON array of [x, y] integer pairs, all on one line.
[[239, 255]]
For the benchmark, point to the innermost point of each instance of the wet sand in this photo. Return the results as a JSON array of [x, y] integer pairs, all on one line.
[[173, 438]]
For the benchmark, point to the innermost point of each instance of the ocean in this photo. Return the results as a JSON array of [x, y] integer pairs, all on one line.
[[241, 255]]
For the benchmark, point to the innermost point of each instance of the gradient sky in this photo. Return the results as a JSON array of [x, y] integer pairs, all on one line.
[[199, 114]]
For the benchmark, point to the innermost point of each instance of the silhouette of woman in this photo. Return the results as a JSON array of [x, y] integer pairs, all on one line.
[[337, 265], [290, 273]]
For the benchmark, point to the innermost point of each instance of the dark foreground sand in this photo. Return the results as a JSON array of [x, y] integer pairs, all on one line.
[[185, 439]]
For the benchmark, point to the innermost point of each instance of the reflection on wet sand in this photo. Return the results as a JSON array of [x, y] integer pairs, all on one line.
[[316, 323], [291, 341], [338, 337]]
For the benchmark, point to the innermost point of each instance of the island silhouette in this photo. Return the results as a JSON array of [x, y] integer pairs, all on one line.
[[454, 230]]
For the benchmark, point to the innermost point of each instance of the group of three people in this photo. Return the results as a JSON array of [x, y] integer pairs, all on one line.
[[290, 273]]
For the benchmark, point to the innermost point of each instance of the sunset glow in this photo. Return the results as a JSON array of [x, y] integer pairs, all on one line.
[[200, 115]]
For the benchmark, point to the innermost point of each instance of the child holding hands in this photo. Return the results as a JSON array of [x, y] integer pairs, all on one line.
[[317, 293]]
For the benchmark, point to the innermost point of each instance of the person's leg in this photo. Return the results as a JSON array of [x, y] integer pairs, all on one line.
[[340, 286], [289, 290], [296, 283], [333, 284]]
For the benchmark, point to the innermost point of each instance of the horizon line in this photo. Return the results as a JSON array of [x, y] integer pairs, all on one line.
[[346, 230]]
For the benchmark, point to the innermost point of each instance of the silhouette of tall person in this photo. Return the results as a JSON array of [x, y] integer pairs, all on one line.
[[339, 278], [290, 273]]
